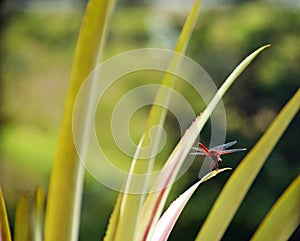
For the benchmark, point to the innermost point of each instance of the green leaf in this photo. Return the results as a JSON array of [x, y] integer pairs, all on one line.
[[22, 230], [284, 217], [131, 203], [171, 215], [66, 180], [156, 200], [4, 225], [240, 181], [29, 217]]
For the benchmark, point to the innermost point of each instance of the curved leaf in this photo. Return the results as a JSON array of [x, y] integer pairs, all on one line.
[[66, 180], [284, 217], [131, 203], [171, 215], [156, 200], [240, 181]]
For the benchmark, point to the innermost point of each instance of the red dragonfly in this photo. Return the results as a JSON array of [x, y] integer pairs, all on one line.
[[215, 152]]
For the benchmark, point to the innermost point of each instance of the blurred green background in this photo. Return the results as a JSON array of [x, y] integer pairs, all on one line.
[[37, 46]]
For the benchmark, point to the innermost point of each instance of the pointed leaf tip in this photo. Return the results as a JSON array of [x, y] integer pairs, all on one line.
[[214, 173], [265, 47], [169, 218]]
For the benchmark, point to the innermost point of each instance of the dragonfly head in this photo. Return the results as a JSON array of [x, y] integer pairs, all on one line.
[[219, 160]]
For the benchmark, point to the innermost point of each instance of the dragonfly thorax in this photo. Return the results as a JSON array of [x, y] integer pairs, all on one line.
[[216, 157]]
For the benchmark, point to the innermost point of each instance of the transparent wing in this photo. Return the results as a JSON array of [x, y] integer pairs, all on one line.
[[223, 146], [220, 150], [197, 148], [232, 151], [198, 153]]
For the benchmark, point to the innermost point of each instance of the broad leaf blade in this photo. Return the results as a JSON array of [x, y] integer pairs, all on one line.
[[4, 225], [284, 217], [65, 188], [29, 217], [240, 181], [131, 204], [156, 200], [22, 230], [171, 215]]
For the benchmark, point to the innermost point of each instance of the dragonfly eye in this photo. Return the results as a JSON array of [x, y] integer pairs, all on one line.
[[219, 160]]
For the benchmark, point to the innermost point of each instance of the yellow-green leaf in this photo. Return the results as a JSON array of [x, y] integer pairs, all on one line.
[[131, 203], [65, 188], [156, 200], [170, 216], [284, 217], [240, 181], [29, 217], [22, 231], [4, 225]]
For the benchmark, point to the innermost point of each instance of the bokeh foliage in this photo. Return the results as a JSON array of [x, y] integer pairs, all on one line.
[[36, 62]]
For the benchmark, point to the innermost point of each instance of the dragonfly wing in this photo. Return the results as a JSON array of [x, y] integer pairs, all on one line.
[[198, 153], [232, 151], [223, 146], [197, 148]]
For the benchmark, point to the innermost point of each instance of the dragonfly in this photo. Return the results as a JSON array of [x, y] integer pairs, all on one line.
[[215, 152]]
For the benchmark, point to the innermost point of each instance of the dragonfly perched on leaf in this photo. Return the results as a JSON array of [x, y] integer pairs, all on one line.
[[215, 152]]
